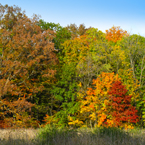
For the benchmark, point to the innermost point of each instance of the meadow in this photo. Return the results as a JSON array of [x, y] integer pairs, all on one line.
[[83, 136]]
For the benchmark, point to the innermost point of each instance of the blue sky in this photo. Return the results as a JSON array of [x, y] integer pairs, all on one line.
[[101, 14]]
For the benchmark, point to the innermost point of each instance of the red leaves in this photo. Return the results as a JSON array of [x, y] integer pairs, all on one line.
[[118, 89], [121, 104]]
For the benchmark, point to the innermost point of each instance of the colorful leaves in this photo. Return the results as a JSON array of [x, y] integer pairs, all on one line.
[[115, 34], [122, 110], [96, 101], [108, 103]]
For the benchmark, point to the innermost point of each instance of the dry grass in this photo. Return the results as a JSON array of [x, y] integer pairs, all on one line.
[[17, 136], [53, 136]]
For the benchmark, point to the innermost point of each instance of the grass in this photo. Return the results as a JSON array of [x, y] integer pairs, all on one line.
[[84, 136]]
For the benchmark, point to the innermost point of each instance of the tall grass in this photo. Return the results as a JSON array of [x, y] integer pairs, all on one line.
[[63, 136]]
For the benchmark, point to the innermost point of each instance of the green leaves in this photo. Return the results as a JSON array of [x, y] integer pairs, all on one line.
[[54, 67]]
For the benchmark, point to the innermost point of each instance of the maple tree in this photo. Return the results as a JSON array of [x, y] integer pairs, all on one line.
[[122, 112]]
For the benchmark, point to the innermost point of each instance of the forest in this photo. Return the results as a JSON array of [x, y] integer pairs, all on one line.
[[69, 76]]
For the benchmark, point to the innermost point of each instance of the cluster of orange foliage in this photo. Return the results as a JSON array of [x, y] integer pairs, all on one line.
[[115, 33]]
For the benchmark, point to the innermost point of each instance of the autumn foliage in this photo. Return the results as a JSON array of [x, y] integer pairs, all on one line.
[[69, 76], [94, 105], [107, 104], [115, 33], [27, 55], [122, 111]]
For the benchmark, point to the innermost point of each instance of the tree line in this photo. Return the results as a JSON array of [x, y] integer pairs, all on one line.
[[69, 76]]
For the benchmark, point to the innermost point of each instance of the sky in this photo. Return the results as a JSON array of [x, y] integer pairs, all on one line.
[[101, 14]]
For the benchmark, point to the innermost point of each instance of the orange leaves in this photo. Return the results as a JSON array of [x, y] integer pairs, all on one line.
[[108, 103], [90, 91], [104, 82], [91, 106], [26, 54], [94, 106], [15, 113], [28, 62], [49, 119], [115, 34], [102, 118]]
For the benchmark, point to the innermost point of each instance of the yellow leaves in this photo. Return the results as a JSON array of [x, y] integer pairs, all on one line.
[[94, 106], [104, 81], [97, 91], [93, 116], [74, 122], [79, 96], [128, 126], [130, 83], [118, 56], [110, 123], [80, 84], [70, 118], [76, 50], [85, 109]]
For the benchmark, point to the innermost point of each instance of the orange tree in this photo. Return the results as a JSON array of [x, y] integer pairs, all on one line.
[[115, 34]]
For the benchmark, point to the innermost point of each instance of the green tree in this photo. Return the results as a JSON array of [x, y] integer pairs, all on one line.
[[134, 47], [62, 34]]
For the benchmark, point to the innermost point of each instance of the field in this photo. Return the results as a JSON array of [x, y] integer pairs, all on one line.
[[84, 136]]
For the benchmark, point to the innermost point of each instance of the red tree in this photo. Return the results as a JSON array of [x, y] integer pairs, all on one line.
[[121, 109]]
